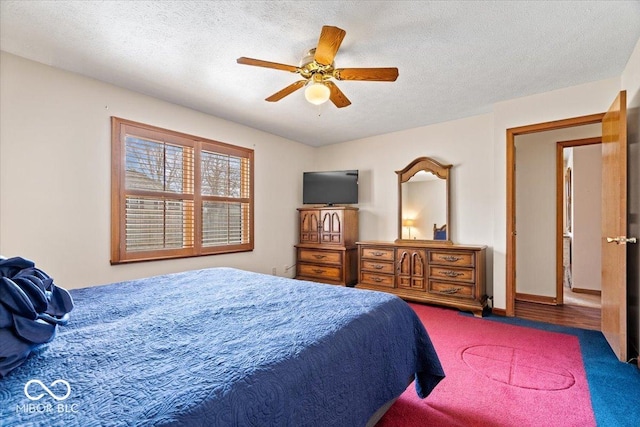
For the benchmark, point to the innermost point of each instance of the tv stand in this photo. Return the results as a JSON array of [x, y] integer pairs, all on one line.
[[327, 251]]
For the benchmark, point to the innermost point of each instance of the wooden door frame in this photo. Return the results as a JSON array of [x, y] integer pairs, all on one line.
[[511, 192], [560, 146]]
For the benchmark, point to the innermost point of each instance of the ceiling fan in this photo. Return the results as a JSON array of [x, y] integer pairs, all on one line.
[[317, 68]]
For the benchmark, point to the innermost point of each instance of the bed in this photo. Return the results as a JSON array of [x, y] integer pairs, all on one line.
[[222, 347]]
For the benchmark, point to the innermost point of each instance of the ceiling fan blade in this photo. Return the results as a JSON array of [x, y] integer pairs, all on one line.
[[337, 97], [267, 64], [372, 74], [328, 44], [286, 91]]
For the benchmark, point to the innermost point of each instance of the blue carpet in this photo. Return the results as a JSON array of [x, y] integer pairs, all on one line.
[[614, 386]]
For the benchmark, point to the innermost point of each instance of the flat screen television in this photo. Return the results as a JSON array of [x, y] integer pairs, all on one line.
[[330, 188]]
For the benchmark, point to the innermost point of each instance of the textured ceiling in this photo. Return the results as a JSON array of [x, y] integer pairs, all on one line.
[[455, 59]]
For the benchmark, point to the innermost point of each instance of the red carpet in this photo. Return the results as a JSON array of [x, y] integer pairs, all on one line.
[[497, 375]]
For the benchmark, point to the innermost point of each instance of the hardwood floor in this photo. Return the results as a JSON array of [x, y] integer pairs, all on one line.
[[583, 299], [566, 315]]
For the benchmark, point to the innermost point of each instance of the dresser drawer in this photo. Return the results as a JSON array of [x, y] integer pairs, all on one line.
[[378, 253], [458, 258], [377, 279], [377, 266], [452, 289], [452, 273], [320, 271], [329, 257]]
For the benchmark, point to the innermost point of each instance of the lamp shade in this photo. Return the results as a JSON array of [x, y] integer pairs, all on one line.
[[407, 222], [317, 93]]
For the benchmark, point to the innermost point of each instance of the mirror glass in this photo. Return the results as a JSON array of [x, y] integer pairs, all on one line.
[[423, 201]]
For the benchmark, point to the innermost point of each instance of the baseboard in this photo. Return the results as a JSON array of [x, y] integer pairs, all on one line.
[[587, 291], [538, 299], [499, 311]]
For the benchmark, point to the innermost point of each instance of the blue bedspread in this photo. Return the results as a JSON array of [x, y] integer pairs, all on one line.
[[222, 347]]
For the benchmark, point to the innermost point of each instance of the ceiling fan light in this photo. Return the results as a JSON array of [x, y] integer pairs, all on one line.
[[317, 93]]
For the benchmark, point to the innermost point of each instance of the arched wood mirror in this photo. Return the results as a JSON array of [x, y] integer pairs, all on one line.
[[423, 202]]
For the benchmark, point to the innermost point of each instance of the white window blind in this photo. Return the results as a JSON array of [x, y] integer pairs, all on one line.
[[176, 195], [226, 195]]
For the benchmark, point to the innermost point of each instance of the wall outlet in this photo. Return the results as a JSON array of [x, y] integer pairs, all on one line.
[[274, 271]]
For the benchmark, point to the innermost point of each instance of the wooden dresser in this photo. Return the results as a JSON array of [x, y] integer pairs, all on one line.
[[443, 274], [327, 251]]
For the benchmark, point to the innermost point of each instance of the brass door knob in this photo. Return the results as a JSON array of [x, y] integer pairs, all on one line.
[[622, 240]]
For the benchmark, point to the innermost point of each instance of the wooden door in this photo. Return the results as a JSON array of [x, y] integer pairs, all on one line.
[[309, 223], [614, 226], [331, 227], [411, 268]]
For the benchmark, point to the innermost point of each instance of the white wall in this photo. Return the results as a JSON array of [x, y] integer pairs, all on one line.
[[587, 217], [536, 207], [476, 146], [465, 143], [55, 175], [535, 213], [586, 99]]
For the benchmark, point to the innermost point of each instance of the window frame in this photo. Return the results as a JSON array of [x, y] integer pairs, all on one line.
[[120, 128]]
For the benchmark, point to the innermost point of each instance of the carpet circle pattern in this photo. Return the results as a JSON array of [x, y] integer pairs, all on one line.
[[517, 368], [499, 374]]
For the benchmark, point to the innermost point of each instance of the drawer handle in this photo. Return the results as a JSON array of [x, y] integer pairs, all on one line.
[[377, 279], [378, 266], [451, 258], [316, 256], [450, 291], [318, 270], [451, 273], [378, 253]]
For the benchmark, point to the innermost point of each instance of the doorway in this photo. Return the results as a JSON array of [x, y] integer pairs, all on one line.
[[578, 212], [538, 185], [614, 217], [511, 254], [545, 216]]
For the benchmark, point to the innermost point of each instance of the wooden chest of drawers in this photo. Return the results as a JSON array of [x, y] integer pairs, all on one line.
[[450, 275], [327, 265], [327, 251]]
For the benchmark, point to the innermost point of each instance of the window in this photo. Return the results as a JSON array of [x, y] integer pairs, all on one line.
[[176, 195]]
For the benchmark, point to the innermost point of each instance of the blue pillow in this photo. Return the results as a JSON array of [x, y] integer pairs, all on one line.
[[31, 308]]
